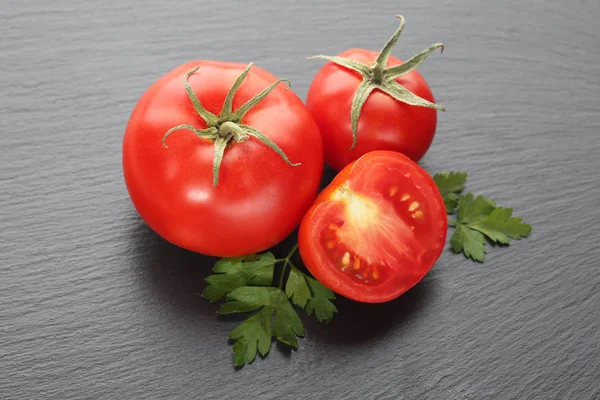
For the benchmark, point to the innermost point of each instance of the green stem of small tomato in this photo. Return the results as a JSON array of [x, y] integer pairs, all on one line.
[[286, 261]]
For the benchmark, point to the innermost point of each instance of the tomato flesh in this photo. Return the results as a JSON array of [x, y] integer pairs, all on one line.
[[376, 230]]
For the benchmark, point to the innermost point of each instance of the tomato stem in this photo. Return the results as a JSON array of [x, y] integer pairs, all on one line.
[[229, 130], [226, 128], [286, 262], [376, 73]]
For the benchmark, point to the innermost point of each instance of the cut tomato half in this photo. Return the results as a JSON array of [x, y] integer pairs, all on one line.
[[376, 230]]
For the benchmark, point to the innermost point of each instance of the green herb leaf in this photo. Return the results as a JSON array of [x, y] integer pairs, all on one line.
[[478, 219], [247, 285], [451, 201], [250, 298], [232, 273], [287, 324], [320, 303], [450, 184], [252, 335], [285, 327], [473, 209], [500, 227], [471, 242], [296, 288]]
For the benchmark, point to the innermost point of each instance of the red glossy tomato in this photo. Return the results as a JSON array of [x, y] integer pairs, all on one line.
[[376, 230], [259, 198], [394, 106]]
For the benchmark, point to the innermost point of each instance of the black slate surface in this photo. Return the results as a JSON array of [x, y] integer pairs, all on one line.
[[93, 305]]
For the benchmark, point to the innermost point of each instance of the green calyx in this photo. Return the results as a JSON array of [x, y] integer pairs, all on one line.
[[226, 128], [377, 76]]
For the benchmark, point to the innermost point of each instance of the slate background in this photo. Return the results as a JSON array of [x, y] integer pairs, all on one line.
[[93, 305]]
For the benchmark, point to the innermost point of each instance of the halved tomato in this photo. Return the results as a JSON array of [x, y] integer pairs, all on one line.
[[376, 230]]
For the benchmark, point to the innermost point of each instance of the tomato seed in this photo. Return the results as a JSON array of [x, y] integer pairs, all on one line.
[[375, 273], [405, 197], [393, 190], [346, 259], [418, 214], [413, 206]]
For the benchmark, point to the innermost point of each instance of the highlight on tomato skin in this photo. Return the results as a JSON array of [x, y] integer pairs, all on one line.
[[376, 230]]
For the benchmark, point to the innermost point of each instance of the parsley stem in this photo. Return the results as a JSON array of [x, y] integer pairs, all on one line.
[[286, 262], [452, 222]]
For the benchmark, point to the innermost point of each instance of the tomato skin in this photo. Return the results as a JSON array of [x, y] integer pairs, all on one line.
[[403, 258], [259, 199], [384, 124]]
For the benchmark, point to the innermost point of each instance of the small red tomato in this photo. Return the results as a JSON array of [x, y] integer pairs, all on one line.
[[365, 100], [376, 230], [243, 163]]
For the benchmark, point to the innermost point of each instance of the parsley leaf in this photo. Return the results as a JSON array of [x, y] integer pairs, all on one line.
[[285, 326], [471, 242], [472, 209], [500, 227], [235, 272], [310, 294], [249, 298], [450, 184], [321, 301], [296, 288], [247, 284], [478, 219], [252, 335]]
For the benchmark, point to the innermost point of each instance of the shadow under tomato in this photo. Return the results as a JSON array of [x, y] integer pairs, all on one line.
[[328, 175], [174, 276], [357, 323]]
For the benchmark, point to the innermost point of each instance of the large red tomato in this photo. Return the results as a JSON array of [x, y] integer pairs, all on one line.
[[225, 185], [365, 100], [376, 230]]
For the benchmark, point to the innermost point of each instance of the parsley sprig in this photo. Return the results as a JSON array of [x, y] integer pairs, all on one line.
[[248, 286], [478, 218], [271, 290]]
